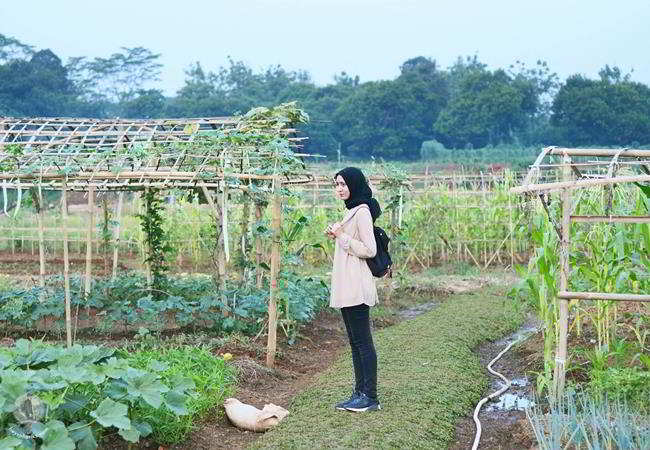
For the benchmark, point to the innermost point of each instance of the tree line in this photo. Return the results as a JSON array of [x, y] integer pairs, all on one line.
[[464, 106]]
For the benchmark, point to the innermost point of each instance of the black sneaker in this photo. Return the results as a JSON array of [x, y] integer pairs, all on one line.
[[341, 405], [363, 403]]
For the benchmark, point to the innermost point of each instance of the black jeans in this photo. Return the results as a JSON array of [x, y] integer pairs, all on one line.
[[364, 356]]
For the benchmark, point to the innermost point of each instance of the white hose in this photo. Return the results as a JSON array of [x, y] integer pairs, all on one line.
[[477, 438]]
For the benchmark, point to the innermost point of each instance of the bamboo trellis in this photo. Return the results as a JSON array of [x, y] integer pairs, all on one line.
[[597, 172], [475, 193], [94, 155]]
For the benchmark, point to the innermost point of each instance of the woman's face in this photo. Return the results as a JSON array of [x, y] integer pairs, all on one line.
[[341, 188]]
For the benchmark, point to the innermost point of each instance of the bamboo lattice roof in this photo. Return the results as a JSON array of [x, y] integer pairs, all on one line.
[[119, 154], [590, 167]]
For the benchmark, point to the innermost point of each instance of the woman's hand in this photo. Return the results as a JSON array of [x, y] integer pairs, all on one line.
[[334, 230]]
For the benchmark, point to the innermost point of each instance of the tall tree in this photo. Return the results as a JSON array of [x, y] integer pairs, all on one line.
[[609, 111], [487, 108], [116, 78], [321, 104], [146, 104], [200, 96], [12, 49], [38, 87], [374, 121], [392, 118]]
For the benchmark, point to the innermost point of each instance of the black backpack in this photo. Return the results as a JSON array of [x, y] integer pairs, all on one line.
[[381, 263]]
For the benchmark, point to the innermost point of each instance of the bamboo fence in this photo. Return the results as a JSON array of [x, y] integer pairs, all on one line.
[[601, 172], [471, 202]]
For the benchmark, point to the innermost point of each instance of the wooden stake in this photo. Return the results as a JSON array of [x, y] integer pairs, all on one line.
[[147, 264], [276, 223], [218, 252], [512, 234], [563, 324], [89, 240], [66, 264], [116, 237], [258, 247], [485, 225], [41, 239], [245, 215], [426, 177]]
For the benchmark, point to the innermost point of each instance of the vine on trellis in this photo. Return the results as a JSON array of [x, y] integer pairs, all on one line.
[[156, 240]]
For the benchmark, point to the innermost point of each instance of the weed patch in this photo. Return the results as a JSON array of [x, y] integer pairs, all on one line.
[[213, 382]]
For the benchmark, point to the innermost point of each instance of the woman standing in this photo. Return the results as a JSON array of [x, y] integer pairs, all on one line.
[[353, 286]]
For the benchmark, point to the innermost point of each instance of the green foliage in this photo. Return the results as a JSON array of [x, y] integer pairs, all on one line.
[[156, 241], [603, 258], [210, 379], [539, 286], [609, 111], [464, 105], [116, 78], [515, 157], [579, 421], [629, 384], [36, 87], [60, 398], [487, 109], [122, 304]]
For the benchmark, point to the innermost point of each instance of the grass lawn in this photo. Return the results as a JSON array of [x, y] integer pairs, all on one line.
[[428, 377]]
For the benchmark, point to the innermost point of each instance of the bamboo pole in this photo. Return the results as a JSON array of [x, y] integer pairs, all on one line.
[[426, 177], [116, 237], [66, 265], [245, 216], [221, 244], [89, 240], [276, 223], [549, 187], [600, 152], [603, 296], [611, 219], [105, 228], [218, 252], [41, 239], [258, 248], [512, 234], [127, 175], [485, 224], [563, 321], [147, 263]]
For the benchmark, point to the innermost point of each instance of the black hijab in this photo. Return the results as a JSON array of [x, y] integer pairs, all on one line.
[[360, 192]]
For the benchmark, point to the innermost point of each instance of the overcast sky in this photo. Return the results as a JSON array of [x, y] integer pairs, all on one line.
[[369, 38]]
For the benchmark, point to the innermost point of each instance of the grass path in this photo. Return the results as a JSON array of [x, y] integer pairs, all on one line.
[[428, 377]]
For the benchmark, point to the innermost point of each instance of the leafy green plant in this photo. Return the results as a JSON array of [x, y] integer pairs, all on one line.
[[629, 384], [62, 398], [210, 377]]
